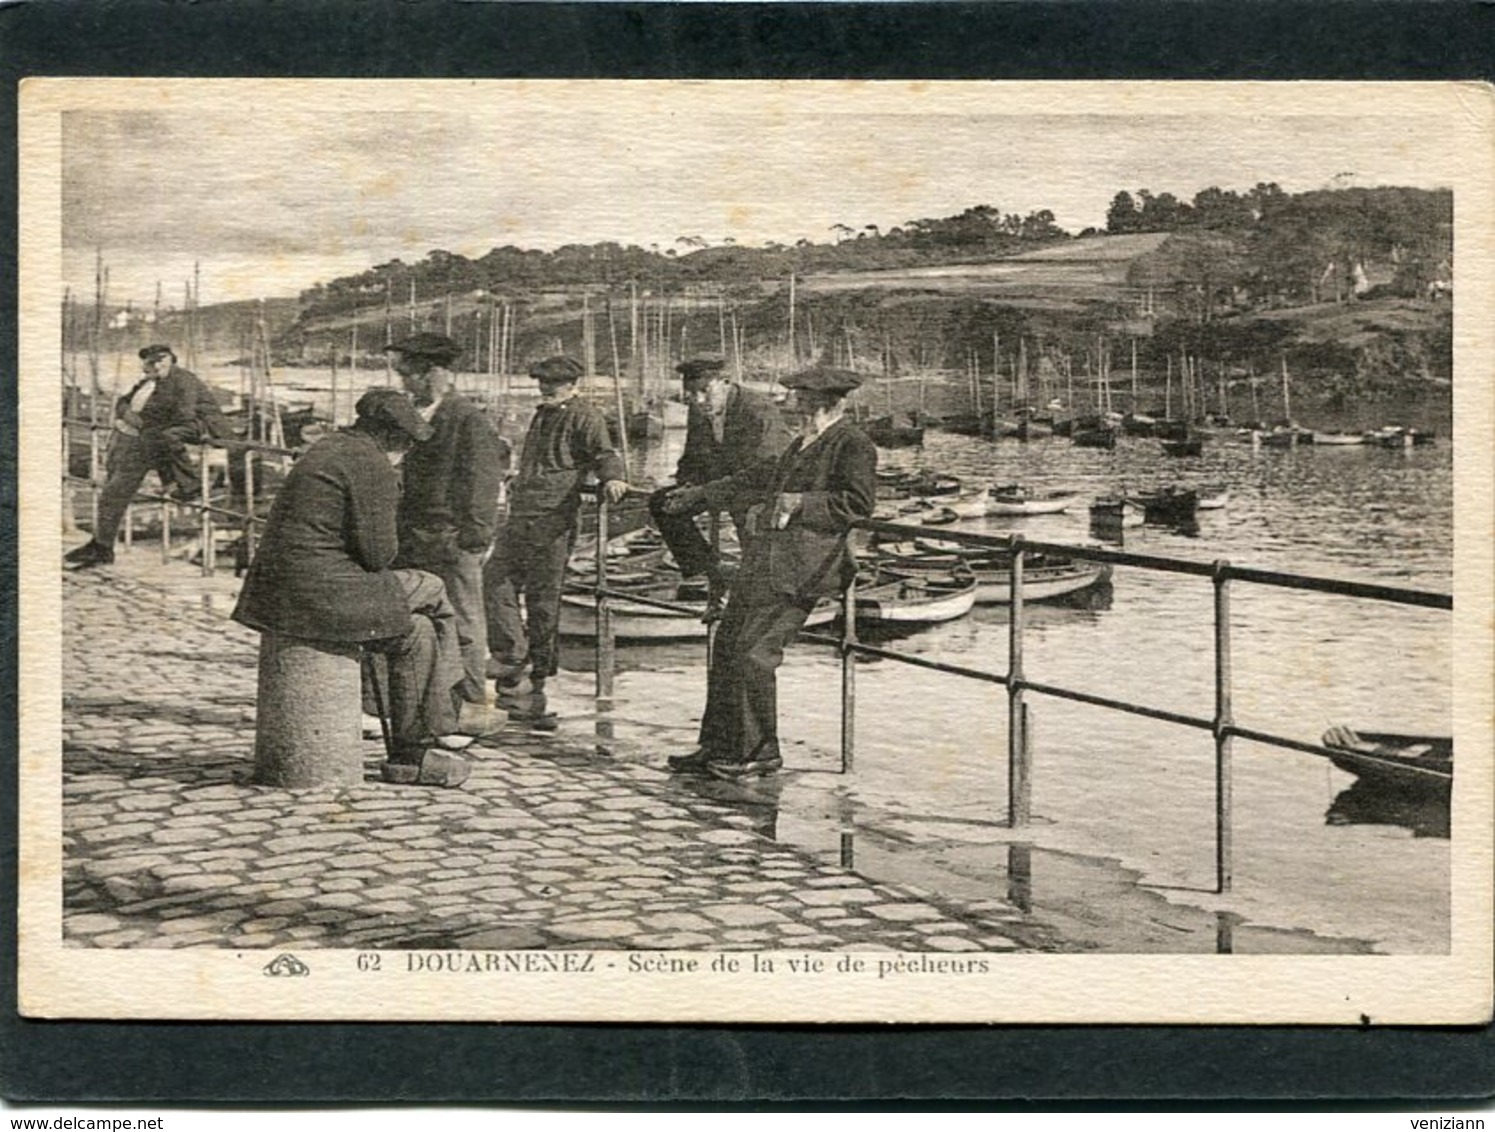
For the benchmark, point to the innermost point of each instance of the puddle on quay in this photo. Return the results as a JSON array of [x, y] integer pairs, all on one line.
[[1070, 902]]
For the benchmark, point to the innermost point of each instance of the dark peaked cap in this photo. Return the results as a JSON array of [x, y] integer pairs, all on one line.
[[155, 351], [429, 345], [392, 408], [558, 368], [823, 379], [703, 365]]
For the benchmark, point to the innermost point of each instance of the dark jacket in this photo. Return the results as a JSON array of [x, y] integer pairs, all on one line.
[[322, 567], [182, 403], [563, 444], [452, 480], [811, 557], [752, 431]]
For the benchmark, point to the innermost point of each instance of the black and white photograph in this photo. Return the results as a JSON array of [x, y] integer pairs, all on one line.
[[756, 551]]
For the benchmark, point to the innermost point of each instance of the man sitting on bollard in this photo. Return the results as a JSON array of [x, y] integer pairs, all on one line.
[[729, 430], [168, 409], [566, 441], [322, 573], [451, 486], [802, 509]]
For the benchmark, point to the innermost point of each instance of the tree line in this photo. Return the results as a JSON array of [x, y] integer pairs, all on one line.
[[1261, 247]]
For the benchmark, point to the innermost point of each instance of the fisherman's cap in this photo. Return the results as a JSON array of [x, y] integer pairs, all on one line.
[[427, 345], [701, 366], [391, 407], [822, 379], [155, 351], [558, 369]]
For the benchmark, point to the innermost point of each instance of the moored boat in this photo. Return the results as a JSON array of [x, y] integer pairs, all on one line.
[[891, 432], [1044, 576], [1409, 763], [1014, 499], [1114, 511], [1212, 497], [1193, 446], [1172, 505], [1339, 439]]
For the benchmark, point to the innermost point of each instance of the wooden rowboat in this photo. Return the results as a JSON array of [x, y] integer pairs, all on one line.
[[1012, 499], [1409, 763]]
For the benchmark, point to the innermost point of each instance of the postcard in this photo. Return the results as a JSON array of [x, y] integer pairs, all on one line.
[[717, 551]]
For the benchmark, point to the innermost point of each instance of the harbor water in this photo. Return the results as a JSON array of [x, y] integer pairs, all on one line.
[[1120, 852]]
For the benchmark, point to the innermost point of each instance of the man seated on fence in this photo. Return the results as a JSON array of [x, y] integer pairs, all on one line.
[[566, 441], [168, 409], [729, 429], [802, 509], [322, 573]]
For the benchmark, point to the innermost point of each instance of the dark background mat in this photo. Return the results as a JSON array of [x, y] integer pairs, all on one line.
[[656, 1065]]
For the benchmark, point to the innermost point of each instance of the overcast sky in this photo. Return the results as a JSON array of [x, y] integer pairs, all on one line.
[[273, 198]]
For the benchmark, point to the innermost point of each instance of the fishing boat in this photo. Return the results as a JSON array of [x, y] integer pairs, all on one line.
[[1044, 576], [1093, 432], [975, 505], [1193, 446], [1169, 505], [1285, 436], [1115, 511], [891, 432], [1138, 424], [1407, 763], [1339, 439], [1170, 428], [1014, 499], [1213, 497], [885, 600], [635, 621], [921, 512]]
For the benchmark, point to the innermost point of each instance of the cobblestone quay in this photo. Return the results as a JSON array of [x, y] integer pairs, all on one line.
[[551, 843]]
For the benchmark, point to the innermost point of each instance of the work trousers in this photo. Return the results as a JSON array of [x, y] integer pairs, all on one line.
[[130, 458], [461, 572], [741, 721], [529, 559], [692, 552], [419, 671]]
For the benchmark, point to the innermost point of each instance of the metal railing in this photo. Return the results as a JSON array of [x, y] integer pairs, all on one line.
[[1220, 723]]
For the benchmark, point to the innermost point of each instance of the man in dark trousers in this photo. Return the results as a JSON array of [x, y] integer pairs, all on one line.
[[801, 510], [567, 441], [323, 573], [729, 429], [168, 409], [452, 480]]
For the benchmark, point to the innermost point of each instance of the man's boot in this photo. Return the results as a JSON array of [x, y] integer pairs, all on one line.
[[533, 709]]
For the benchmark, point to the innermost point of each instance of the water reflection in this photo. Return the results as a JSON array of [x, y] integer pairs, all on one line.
[[1368, 802]]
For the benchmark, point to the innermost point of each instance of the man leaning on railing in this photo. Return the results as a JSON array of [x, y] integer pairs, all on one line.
[[168, 409], [803, 507]]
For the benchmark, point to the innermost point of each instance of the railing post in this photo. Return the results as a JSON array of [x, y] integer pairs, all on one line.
[[606, 648], [129, 526], [165, 531], [1019, 773], [205, 524], [848, 675], [249, 515], [1224, 838], [93, 478]]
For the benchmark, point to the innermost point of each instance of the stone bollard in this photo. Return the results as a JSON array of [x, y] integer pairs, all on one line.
[[307, 726]]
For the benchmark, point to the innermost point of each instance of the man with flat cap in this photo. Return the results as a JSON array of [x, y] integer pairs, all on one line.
[[323, 572], [452, 480], [567, 440], [801, 507], [729, 429], [168, 409]]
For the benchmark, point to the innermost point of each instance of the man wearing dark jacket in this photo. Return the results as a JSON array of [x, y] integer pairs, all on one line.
[[801, 510], [450, 501], [567, 440], [729, 429], [168, 409], [322, 573]]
